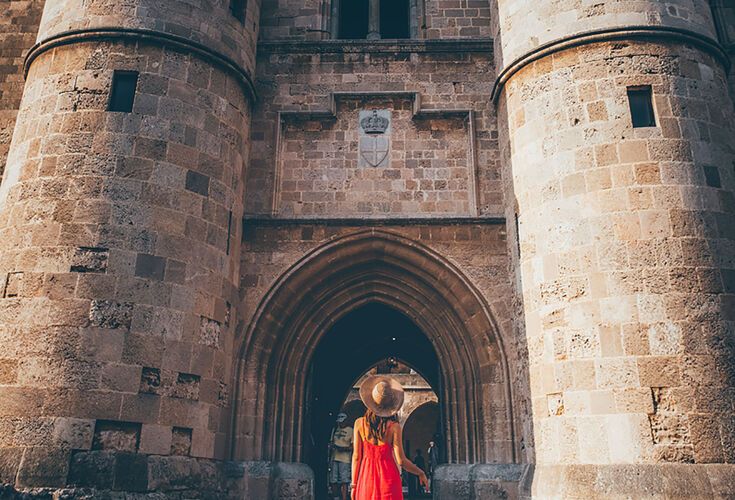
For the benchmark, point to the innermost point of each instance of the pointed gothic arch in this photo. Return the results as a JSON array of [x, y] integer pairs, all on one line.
[[343, 275]]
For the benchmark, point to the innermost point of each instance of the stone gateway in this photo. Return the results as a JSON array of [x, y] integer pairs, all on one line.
[[217, 215]]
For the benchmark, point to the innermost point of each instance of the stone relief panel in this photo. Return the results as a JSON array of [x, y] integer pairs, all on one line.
[[374, 138]]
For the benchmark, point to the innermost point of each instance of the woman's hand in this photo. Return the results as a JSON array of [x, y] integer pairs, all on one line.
[[352, 493], [424, 480]]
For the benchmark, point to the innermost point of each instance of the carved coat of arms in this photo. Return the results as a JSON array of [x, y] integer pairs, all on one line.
[[374, 138]]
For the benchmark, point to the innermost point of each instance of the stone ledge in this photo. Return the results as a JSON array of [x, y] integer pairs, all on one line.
[[114, 474], [481, 45], [481, 481], [267, 221]]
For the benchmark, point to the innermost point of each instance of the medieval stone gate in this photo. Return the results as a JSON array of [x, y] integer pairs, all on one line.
[[197, 194]]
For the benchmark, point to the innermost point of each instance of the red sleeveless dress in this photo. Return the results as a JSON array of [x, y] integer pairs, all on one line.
[[378, 477]]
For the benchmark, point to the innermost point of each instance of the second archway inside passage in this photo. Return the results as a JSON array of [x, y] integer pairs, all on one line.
[[370, 338]]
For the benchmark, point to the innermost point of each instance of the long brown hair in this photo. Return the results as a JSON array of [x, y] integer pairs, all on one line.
[[377, 425]]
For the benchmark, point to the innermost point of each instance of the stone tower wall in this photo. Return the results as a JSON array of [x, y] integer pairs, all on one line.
[[120, 242], [19, 20], [627, 247]]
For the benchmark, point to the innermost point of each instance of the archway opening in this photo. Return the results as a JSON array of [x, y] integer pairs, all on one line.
[[422, 427], [373, 338], [448, 335]]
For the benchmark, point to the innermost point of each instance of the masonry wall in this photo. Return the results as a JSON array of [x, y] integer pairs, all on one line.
[[119, 246], [311, 167], [478, 250], [526, 26], [118, 271], [19, 20]]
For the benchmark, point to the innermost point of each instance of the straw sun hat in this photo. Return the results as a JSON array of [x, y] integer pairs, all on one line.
[[382, 395]]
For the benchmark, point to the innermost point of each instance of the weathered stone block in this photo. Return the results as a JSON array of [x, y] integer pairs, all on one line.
[[43, 467], [131, 472], [110, 314], [150, 380], [181, 441], [187, 386], [292, 481], [115, 435], [9, 463], [94, 469], [155, 439], [150, 266], [90, 260], [209, 332], [197, 183], [74, 433]]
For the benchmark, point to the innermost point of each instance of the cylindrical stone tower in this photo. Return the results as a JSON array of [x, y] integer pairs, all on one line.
[[119, 239], [627, 242]]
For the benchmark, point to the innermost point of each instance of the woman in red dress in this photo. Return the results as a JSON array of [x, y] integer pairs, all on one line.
[[378, 444]]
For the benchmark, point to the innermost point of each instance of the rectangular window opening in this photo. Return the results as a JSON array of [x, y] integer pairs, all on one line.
[[641, 106], [229, 231], [238, 9], [353, 19], [122, 94], [394, 19]]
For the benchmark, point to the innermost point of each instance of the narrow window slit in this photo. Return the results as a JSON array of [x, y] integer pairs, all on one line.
[[640, 100], [229, 231], [122, 94]]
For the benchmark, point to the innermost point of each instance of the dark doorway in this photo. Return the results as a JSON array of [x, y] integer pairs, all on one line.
[[358, 341], [421, 428], [394, 19], [353, 19]]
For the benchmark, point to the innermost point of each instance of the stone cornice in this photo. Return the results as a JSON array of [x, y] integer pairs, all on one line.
[[268, 221], [479, 45], [605, 35], [144, 35]]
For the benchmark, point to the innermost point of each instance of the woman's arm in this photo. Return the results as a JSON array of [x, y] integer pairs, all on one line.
[[401, 458], [357, 453]]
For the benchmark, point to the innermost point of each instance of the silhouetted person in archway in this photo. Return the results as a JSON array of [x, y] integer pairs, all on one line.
[[340, 474], [379, 443], [433, 453]]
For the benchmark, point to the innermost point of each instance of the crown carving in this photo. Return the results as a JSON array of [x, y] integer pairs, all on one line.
[[374, 124]]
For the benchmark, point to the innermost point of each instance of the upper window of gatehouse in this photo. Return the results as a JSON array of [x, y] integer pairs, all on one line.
[[371, 19]]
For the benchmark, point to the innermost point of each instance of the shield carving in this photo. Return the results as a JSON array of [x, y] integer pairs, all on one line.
[[374, 146], [374, 149]]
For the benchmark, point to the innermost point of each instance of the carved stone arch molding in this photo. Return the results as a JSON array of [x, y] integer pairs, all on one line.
[[339, 277]]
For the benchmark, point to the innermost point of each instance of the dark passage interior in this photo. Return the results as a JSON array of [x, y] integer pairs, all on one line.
[[357, 342]]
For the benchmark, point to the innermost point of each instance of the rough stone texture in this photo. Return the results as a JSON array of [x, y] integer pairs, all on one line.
[[108, 269], [624, 244], [206, 22], [626, 310], [482, 482], [309, 167], [19, 21], [524, 26], [147, 337], [269, 251]]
